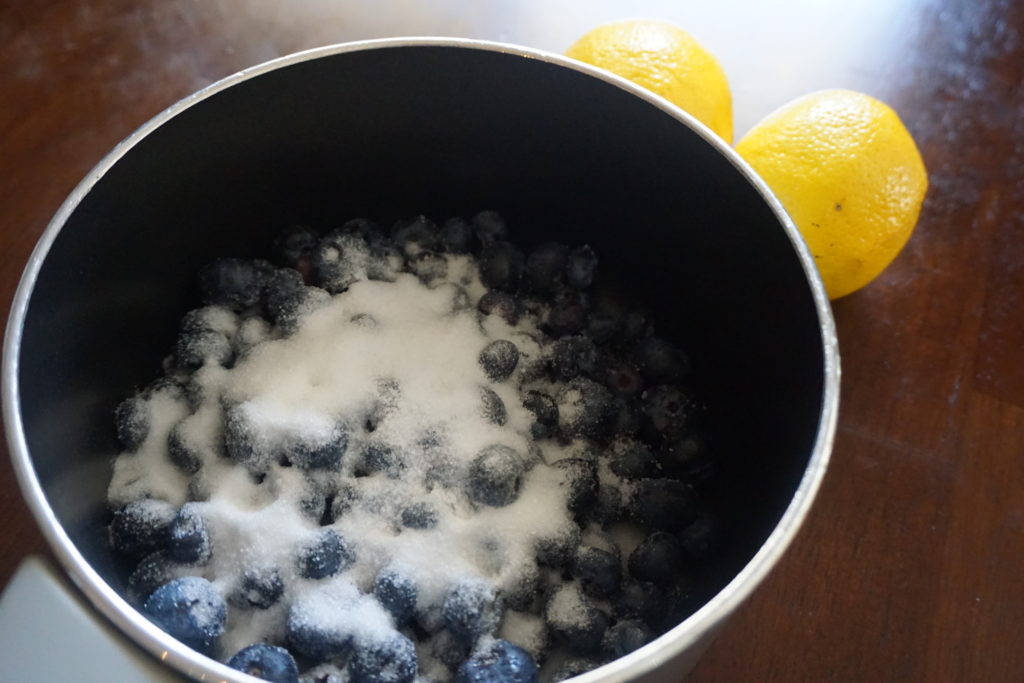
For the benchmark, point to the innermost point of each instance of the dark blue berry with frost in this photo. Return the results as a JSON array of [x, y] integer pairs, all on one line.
[[420, 516], [132, 421], [625, 637], [381, 457], [396, 593], [668, 411], [658, 559], [598, 570], [571, 357], [389, 658], [181, 453], [153, 571], [258, 588], [501, 304], [660, 361], [321, 454], [498, 661], [501, 266], [633, 459], [455, 236], [197, 347], [583, 408], [495, 476], [545, 414], [492, 407], [140, 527], [269, 662], [328, 554], [414, 235], [234, 283], [188, 539], [499, 359], [580, 266], [472, 608], [293, 246], [667, 504], [641, 600], [189, 609], [545, 267], [574, 620]]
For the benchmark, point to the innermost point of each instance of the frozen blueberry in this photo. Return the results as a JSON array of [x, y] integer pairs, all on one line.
[[258, 588], [420, 516], [472, 608], [495, 476], [414, 235], [389, 658], [131, 418], [365, 229], [574, 620], [522, 589], [500, 303], [698, 539], [598, 570], [189, 609], [572, 356], [641, 600], [607, 507], [269, 662], [344, 497], [545, 267], [183, 455], [558, 550], [624, 417], [567, 315], [232, 282], [499, 359], [679, 604], [501, 266], [293, 247], [321, 454], [325, 556], [429, 266], [689, 458], [489, 227], [580, 266], [545, 413], [340, 259], [603, 326], [153, 571], [626, 636], [240, 437], [658, 559], [311, 638], [283, 294], [632, 459], [579, 480], [378, 456], [571, 668], [455, 236], [583, 408], [449, 649], [660, 361], [140, 527], [498, 661], [622, 379], [188, 539], [396, 593], [662, 504], [197, 347], [492, 407], [668, 410]]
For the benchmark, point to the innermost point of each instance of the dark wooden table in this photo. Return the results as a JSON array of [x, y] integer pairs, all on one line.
[[911, 564]]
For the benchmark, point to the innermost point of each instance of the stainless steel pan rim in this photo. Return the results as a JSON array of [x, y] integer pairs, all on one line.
[[632, 666]]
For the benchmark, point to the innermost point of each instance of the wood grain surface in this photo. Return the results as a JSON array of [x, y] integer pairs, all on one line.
[[910, 566]]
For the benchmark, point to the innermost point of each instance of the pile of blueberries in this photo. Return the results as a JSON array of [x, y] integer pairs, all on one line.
[[623, 394]]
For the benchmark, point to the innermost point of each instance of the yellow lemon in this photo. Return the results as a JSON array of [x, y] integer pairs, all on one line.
[[850, 176], [666, 60]]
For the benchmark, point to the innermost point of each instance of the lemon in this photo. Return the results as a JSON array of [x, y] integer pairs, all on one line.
[[849, 175], [666, 60]]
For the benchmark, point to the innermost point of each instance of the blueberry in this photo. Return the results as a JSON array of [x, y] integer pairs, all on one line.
[[495, 476], [579, 480], [567, 315], [632, 459], [472, 608], [661, 362], [240, 436], [522, 590], [545, 413], [574, 620], [396, 593], [501, 266], [380, 457], [153, 571], [626, 636], [189, 609], [607, 507], [489, 227], [140, 527], [325, 556], [339, 260], [624, 417], [668, 410], [689, 458], [698, 539], [420, 516], [658, 559], [429, 266], [181, 453], [498, 661], [641, 600], [283, 294], [662, 504], [325, 453], [307, 635], [571, 668], [501, 304], [603, 326], [197, 347], [598, 570], [131, 418], [499, 359], [344, 498], [558, 550], [584, 407], [293, 247], [545, 267], [455, 236], [679, 604], [414, 235], [580, 266], [233, 283], [363, 228], [572, 356], [188, 539], [258, 587], [622, 379], [389, 658], [492, 407], [448, 649], [269, 662]]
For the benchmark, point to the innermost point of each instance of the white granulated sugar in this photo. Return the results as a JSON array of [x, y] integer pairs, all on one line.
[[528, 631], [568, 608]]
